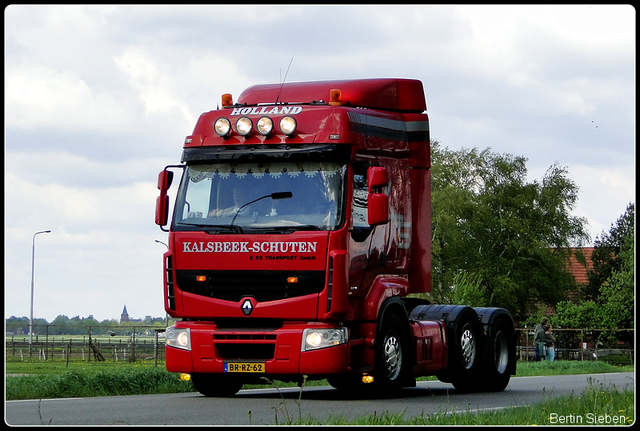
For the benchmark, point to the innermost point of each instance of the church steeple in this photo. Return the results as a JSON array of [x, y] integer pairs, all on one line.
[[124, 317]]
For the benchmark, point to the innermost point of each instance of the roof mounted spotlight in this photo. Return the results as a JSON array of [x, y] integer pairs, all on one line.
[[244, 126], [264, 126], [222, 126], [288, 125]]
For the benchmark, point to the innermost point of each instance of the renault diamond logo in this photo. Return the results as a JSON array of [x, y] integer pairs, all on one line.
[[247, 308]]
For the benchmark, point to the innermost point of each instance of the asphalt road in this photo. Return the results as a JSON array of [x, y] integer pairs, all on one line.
[[271, 406]]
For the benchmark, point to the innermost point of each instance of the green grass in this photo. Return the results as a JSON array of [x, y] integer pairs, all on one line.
[[555, 368], [596, 406], [36, 367], [97, 382]]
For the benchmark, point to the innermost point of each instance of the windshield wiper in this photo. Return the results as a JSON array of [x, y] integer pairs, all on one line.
[[274, 196], [221, 228], [215, 228]]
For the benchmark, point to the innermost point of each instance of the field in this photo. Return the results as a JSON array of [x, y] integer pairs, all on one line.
[[40, 379]]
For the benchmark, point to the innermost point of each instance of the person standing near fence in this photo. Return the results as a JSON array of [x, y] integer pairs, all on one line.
[[538, 340], [549, 343]]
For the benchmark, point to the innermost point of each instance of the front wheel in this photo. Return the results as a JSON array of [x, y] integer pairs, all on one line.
[[215, 385], [392, 355]]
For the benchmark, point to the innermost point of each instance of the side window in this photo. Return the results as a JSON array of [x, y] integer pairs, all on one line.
[[360, 191], [197, 197], [359, 211]]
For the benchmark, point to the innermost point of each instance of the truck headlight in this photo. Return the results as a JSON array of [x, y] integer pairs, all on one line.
[[244, 125], [265, 126], [288, 125], [222, 127], [313, 339], [178, 337]]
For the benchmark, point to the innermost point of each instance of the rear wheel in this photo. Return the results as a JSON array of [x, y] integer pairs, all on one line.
[[500, 355], [215, 385], [465, 352]]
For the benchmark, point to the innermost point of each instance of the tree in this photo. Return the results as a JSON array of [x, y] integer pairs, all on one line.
[[511, 237], [607, 247], [617, 292], [612, 306], [59, 325]]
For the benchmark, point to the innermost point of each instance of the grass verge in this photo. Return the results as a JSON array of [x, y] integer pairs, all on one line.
[[95, 383], [557, 368], [596, 406]]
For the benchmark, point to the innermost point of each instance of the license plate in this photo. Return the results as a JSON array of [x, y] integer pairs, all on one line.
[[244, 367]]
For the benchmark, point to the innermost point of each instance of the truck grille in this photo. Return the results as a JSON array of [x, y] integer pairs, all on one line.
[[245, 351], [262, 285]]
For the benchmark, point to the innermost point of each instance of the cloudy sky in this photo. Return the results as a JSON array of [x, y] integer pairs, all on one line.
[[99, 99]]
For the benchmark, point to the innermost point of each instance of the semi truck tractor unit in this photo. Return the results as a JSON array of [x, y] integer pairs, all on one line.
[[300, 243]]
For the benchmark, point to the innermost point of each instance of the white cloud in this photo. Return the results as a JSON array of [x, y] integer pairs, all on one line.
[[39, 97], [76, 208], [74, 170], [152, 84], [604, 193]]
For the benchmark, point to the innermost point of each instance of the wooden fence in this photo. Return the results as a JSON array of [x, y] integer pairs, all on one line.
[[610, 345], [138, 345]]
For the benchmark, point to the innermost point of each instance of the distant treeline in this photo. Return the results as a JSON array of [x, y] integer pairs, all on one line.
[[63, 325]]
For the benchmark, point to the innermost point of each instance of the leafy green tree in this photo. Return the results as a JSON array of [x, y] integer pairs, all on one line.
[[587, 314], [607, 247], [613, 305], [63, 325], [617, 292], [17, 325], [510, 236], [60, 325]]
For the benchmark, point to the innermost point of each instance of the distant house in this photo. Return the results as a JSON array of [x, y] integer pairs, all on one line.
[[578, 270]]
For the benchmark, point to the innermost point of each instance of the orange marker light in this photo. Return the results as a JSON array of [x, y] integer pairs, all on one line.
[[227, 99], [292, 279], [201, 278], [335, 97]]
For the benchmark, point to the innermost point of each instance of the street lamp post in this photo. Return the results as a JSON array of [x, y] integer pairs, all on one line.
[[33, 258]]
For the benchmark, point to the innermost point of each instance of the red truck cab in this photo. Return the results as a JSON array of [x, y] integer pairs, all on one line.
[[300, 232]]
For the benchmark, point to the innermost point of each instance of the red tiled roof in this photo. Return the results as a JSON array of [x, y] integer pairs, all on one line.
[[577, 269]]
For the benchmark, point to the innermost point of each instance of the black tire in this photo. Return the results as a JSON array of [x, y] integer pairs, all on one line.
[[215, 385], [500, 356], [466, 347], [392, 355]]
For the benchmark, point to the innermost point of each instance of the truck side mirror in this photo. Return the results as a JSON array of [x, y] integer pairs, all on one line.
[[165, 178], [378, 201]]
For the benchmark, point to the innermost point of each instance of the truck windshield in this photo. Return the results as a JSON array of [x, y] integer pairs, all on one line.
[[220, 195]]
